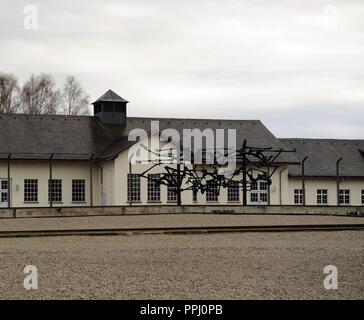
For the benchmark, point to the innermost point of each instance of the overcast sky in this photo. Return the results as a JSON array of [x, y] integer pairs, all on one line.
[[296, 65]]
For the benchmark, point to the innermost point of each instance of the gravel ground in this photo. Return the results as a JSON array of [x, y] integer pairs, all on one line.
[[171, 220], [214, 266]]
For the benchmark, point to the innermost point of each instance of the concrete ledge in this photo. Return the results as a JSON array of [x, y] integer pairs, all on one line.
[[166, 209]]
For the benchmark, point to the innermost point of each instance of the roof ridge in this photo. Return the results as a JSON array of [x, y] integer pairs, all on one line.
[[195, 119], [320, 139], [34, 115]]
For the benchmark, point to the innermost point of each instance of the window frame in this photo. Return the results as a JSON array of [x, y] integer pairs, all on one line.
[[135, 187], [171, 194], [56, 190], [344, 196], [322, 194], [233, 191], [153, 188], [298, 196], [78, 196], [31, 193], [211, 191]]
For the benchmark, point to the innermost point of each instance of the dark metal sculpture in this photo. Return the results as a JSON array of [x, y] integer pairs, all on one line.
[[251, 164]]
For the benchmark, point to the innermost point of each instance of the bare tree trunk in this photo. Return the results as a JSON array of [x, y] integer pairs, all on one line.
[[9, 93], [75, 100]]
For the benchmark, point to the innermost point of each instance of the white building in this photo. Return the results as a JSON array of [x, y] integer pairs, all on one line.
[[86, 158]]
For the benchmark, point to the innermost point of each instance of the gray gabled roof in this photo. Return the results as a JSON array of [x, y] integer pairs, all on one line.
[[110, 96], [323, 154], [77, 137]]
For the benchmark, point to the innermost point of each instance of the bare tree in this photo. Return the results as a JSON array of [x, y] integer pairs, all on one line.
[[9, 93], [39, 95], [75, 100]]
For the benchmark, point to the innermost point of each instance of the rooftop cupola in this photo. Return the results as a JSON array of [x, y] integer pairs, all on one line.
[[110, 108]]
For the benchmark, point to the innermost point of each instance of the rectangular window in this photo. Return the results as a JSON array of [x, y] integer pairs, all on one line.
[[259, 193], [56, 190], [78, 190], [134, 187], [321, 196], [344, 196], [154, 189], [298, 196], [233, 191], [254, 186], [253, 197], [362, 197], [263, 185], [171, 194], [4, 185], [31, 190], [4, 191], [194, 195], [263, 198], [212, 191]]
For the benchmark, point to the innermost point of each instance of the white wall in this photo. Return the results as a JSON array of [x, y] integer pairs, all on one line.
[[110, 179], [312, 184], [64, 170]]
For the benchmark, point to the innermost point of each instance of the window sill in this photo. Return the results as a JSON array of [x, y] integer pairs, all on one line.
[[234, 202], [31, 202], [134, 201], [79, 202], [154, 201]]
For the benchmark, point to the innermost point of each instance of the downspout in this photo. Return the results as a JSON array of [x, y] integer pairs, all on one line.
[[91, 181], [129, 184], [280, 185], [102, 179], [51, 181]]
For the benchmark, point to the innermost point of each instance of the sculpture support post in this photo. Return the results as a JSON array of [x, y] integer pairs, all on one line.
[[50, 184], [129, 185], [179, 202]]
